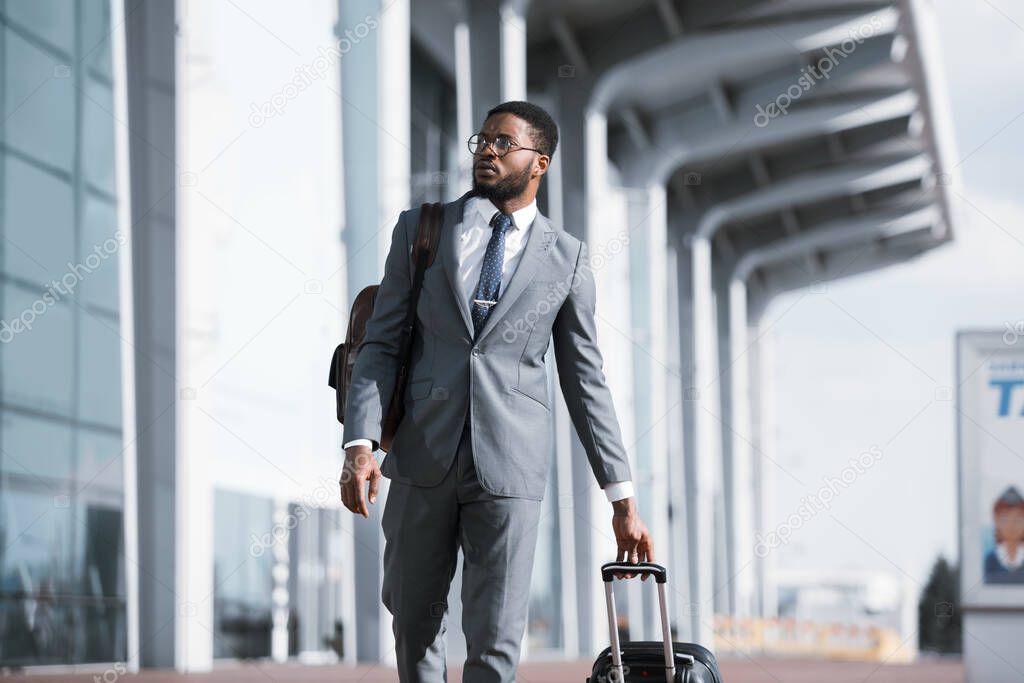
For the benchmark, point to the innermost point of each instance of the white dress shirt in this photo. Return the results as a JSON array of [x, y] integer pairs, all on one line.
[[1012, 563], [474, 234]]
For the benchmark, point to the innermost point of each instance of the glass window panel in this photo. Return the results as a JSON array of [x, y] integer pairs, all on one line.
[[51, 20], [99, 387], [39, 224], [242, 520], [100, 463], [98, 635], [242, 574], [317, 566], [96, 35], [37, 363], [36, 530], [99, 253], [39, 102], [37, 450], [98, 564], [34, 632], [98, 135]]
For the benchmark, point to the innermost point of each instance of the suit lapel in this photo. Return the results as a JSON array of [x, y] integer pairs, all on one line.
[[453, 213], [542, 236]]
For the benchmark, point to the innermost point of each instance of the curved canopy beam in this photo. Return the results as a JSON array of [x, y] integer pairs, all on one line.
[[813, 187], [729, 54], [671, 148]]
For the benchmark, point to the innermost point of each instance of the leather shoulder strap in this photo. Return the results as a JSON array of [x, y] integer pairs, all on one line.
[[428, 233], [428, 230]]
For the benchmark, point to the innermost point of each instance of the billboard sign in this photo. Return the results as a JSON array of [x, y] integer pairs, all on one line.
[[990, 425]]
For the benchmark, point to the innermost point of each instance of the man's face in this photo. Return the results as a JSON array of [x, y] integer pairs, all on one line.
[[1010, 524], [503, 178]]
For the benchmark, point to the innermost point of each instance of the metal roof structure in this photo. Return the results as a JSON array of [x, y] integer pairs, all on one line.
[[770, 146]]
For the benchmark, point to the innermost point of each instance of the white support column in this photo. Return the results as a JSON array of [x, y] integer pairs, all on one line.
[[607, 237], [651, 369], [195, 331], [169, 573], [725, 535], [126, 294], [572, 215], [762, 430], [376, 127], [394, 115], [464, 122], [742, 483], [702, 487], [680, 551], [660, 412], [513, 52], [497, 54], [490, 64]]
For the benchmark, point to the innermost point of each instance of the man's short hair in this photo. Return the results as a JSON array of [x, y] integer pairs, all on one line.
[[543, 127]]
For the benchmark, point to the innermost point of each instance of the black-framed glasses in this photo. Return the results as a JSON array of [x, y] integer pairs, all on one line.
[[502, 145]]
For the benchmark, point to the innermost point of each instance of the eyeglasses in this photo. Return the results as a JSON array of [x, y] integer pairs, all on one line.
[[501, 145]]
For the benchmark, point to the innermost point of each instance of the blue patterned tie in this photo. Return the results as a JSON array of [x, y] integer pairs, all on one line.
[[490, 273]]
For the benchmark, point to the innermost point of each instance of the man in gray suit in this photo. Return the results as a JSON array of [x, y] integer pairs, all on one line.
[[469, 462]]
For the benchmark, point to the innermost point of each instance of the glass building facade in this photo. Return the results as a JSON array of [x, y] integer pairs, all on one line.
[[242, 566], [62, 570]]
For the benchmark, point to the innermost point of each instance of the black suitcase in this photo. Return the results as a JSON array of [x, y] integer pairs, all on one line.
[[649, 660]]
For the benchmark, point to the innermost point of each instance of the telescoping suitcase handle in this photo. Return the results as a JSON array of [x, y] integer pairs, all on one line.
[[660, 577]]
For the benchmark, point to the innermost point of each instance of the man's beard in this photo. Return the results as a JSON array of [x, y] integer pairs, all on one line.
[[505, 189]]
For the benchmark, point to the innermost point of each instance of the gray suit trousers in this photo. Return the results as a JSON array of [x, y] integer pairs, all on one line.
[[423, 529]]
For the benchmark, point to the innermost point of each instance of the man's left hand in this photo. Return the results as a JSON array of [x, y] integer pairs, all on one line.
[[631, 536]]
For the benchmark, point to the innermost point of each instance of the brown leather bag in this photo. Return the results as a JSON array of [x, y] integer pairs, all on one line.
[[428, 232]]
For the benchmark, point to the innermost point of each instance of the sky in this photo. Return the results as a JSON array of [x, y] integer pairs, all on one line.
[[869, 361]]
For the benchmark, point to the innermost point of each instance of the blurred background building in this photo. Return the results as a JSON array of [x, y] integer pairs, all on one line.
[[169, 447]]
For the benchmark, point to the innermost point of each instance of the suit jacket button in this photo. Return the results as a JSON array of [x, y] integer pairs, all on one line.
[[476, 352]]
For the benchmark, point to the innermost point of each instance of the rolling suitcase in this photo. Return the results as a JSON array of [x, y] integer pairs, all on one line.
[[649, 660]]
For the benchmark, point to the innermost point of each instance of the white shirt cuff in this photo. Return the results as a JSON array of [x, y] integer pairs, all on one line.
[[617, 490], [359, 442]]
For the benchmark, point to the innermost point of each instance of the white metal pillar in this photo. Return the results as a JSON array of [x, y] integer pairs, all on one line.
[[680, 470], [725, 555], [763, 476], [376, 129], [195, 363], [648, 244], [167, 579], [705, 456], [594, 213], [497, 54], [490, 65], [740, 484]]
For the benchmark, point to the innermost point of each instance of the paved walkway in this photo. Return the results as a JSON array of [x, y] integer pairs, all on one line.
[[733, 671]]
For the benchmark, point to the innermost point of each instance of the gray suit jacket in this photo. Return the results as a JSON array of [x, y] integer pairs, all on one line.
[[500, 377]]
